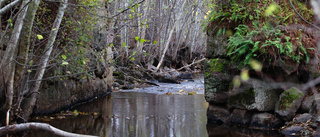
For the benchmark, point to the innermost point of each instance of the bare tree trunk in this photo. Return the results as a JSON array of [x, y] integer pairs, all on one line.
[[30, 100]]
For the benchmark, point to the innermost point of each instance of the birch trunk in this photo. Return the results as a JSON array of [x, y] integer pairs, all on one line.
[[30, 100]]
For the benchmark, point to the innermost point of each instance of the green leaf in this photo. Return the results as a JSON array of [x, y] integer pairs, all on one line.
[[111, 45], [155, 42], [31, 62], [64, 57], [244, 75], [142, 40], [54, 29], [136, 38], [29, 70], [256, 65], [64, 63], [40, 37], [134, 53]]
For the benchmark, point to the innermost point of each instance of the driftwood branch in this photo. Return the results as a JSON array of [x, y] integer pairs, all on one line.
[[192, 63], [38, 126]]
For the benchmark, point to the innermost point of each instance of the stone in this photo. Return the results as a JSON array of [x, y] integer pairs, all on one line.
[[217, 81], [288, 104], [306, 104], [303, 118], [317, 133], [216, 45], [292, 130], [240, 117], [265, 121], [315, 108], [256, 96], [217, 114]]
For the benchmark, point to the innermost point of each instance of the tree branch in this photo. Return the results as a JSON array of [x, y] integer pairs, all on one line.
[[9, 6], [37, 126]]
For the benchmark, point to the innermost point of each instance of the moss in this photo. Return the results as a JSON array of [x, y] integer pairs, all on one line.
[[288, 97], [217, 65], [246, 98]]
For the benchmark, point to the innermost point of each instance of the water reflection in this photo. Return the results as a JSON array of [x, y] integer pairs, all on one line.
[[132, 114], [136, 114]]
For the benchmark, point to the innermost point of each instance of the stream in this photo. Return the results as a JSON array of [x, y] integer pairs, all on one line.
[[168, 110]]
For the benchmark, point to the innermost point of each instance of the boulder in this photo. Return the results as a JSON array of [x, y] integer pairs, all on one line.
[[256, 96], [303, 118], [217, 81], [265, 121], [288, 104], [306, 104], [292, 130], [240, 117], [217, 115], [315, 108]]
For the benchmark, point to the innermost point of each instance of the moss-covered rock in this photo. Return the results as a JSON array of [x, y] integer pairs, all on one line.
[[289, 102], [217, 80], [256, 96]]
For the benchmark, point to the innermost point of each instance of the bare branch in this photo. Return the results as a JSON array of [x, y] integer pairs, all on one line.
[[38, 126], [9, 6]]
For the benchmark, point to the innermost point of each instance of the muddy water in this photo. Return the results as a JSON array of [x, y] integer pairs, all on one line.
[[148, 112]]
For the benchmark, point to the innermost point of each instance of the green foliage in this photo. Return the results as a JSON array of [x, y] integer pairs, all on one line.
[[255, 36], [242, 47]]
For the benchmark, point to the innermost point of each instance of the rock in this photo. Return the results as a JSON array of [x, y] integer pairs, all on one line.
[[315, 108], [303, 118], [217, 80], [217, 115], [256, 96], [216, 44], [240, 117], [317, 133], [288, 104], [292, 130], [265, 121], [185, 75], [306, 104]]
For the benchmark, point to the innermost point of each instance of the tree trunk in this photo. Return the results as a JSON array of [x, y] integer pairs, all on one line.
[[29, 102], [7, 62], [24, 48], [170, 36]]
